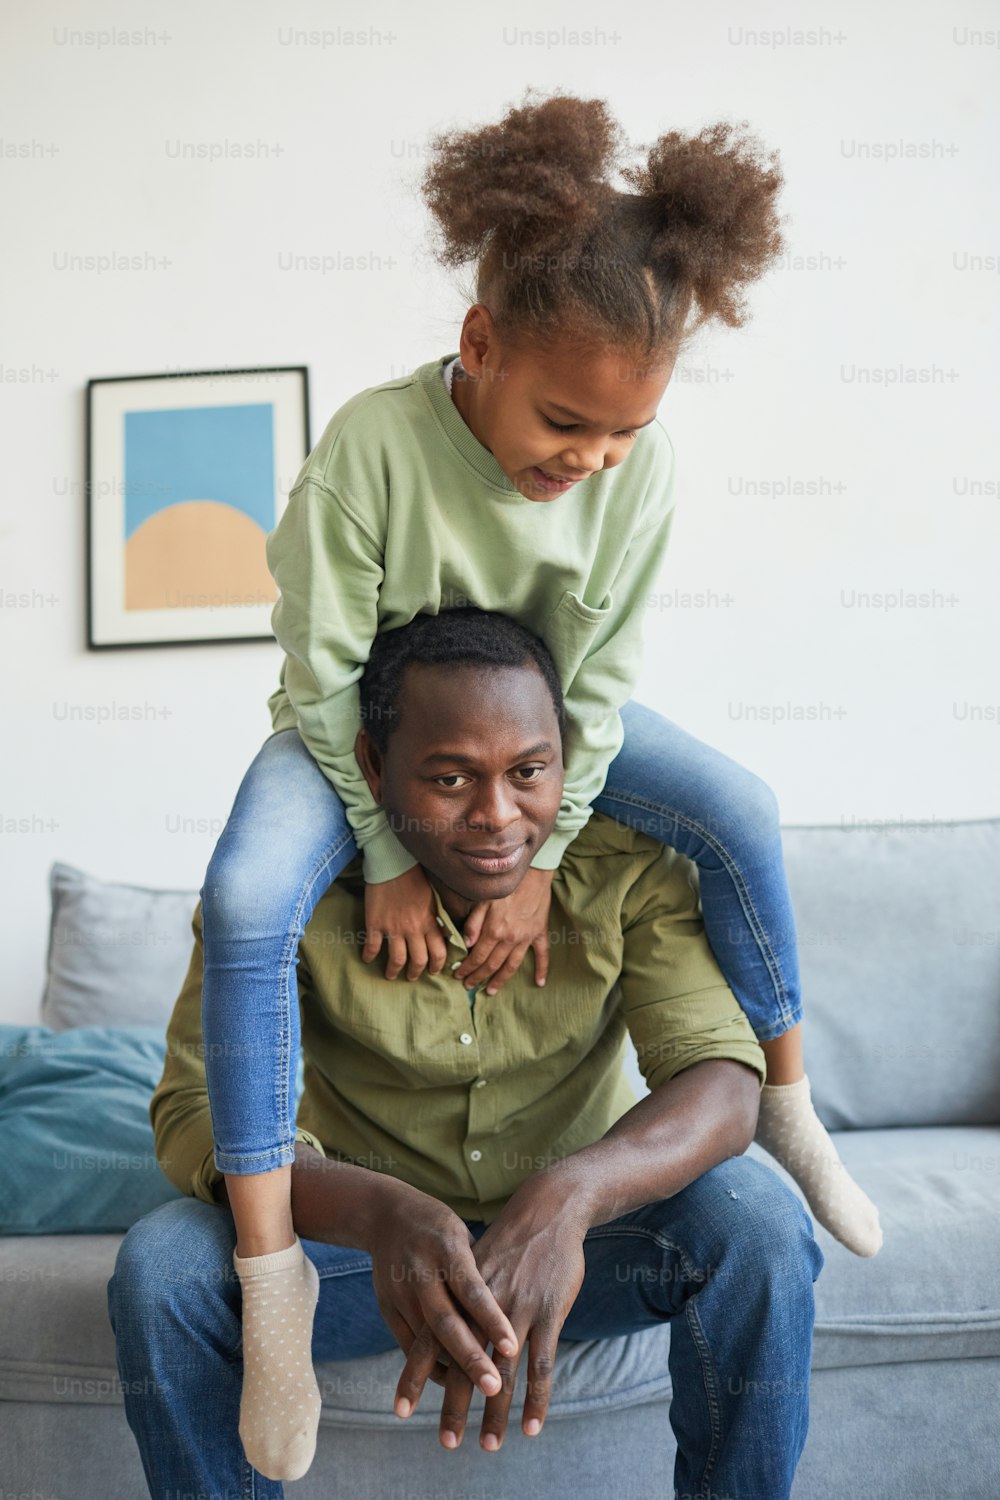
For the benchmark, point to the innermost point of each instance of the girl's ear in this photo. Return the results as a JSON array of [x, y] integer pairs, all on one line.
[[369, 758]]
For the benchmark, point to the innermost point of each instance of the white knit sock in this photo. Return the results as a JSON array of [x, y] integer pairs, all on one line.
[[279, 1408], [789, 1128]]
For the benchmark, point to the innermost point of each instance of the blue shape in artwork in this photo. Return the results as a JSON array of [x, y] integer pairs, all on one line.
[[223, 453]]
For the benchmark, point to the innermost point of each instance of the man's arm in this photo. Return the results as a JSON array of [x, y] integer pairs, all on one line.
[[696, 1051], [531, 1256], [681, 1130], [695, 1047], [422, 1262]]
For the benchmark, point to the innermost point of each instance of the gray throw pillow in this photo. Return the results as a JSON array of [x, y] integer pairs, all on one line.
[[118, 954]]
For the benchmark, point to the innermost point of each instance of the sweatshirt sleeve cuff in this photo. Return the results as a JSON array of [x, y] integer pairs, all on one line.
[[549, 856], [383, 857]]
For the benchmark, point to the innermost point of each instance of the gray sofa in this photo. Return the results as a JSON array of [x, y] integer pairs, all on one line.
[[899, 932]]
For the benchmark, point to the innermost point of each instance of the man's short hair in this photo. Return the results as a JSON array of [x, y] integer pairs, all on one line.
[[455, 637]]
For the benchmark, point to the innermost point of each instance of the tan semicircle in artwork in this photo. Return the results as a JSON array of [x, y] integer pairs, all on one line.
[[197, 554]]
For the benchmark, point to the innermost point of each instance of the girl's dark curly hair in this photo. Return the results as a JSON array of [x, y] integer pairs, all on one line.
[[562, 253]]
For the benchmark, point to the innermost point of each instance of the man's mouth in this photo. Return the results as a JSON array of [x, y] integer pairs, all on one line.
[[493, 861]]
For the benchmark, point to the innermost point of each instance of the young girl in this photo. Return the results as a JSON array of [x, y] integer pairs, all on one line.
[[527, 474]]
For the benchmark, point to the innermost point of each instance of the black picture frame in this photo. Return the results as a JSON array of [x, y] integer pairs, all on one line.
[[110, 623]]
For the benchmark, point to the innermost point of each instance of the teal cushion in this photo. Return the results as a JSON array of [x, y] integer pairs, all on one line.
[[76, 1144]]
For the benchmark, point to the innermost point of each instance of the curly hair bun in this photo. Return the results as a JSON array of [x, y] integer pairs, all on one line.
[[715, 193], [529, 184]]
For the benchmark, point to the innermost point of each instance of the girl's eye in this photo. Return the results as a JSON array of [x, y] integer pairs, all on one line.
[[568, 427]]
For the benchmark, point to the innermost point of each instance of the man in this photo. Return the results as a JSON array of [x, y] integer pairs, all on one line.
[[473, 1173]]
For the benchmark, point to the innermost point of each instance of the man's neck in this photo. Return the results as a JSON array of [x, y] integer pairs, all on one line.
[[458, 907]]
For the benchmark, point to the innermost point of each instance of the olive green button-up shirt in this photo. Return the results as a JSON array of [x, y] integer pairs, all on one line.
[[466, 1095]]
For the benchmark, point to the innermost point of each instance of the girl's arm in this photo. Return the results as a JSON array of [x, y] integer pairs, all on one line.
[[605, 679], [327, 562]]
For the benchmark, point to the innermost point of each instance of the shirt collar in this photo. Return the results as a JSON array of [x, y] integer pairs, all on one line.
[[451, 931]]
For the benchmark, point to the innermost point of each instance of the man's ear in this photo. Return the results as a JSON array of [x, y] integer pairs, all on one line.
[[369, 758]]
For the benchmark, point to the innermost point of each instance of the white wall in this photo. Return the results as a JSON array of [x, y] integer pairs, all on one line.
[[907, 473]]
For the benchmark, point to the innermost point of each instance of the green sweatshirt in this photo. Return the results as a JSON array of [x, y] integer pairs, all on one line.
[[398, 510]]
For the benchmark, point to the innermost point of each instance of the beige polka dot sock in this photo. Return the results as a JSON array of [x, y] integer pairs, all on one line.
[[791, 1131], [279, 1408]]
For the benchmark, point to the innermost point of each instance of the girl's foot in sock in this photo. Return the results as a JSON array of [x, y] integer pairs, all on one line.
[[280, 1404], [791, 1131]]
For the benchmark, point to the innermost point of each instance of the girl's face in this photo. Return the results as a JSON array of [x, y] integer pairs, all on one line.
[[552, 417]]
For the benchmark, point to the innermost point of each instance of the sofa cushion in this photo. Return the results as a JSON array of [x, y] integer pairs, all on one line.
[[77, 1154], [932, 1292], [56, 1343], [117, 953], [899, 944]]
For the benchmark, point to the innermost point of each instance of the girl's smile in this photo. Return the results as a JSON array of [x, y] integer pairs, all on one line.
[[555, 485]]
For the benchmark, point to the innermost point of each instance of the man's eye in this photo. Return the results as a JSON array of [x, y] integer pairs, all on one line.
[[530, 772], [451, 781]]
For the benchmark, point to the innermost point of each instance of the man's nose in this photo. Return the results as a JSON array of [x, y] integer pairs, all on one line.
[[494, 806]]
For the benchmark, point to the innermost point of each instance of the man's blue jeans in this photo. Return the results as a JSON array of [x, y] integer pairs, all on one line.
[[288, 837], [730, 1261]]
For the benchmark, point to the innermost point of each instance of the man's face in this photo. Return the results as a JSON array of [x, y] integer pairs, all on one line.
[[557, 410], [472, 777]]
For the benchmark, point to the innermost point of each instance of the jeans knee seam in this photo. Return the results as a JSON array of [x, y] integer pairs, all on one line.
[[709, 1376], [749, 910], [711, 1387]]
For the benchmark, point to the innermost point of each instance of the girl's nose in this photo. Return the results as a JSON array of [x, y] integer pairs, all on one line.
[[585, 458]]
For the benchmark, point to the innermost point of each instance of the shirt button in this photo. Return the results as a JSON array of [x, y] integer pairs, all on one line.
[[456, 965], [480, 1083], [475, 1156], [465, 1039]]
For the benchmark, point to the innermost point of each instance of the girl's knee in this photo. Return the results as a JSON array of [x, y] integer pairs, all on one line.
[[242, 897], [756, 808], [738, 810], [666, 766], [260, 887]]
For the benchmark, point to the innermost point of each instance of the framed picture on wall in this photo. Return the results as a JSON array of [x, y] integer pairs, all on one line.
[[186, 476]]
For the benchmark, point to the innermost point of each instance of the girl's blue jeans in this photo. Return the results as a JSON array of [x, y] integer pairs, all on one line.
[[288, 837]]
